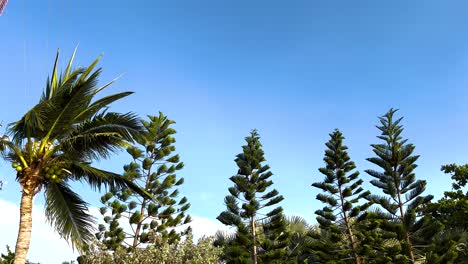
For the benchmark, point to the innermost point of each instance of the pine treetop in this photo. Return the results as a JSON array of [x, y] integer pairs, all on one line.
[[250, 183], [259, 235], [402, 192], [342, 192], [395, 157], [341, 187]]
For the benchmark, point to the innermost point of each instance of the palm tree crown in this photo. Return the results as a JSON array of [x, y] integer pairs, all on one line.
[[56, 141]]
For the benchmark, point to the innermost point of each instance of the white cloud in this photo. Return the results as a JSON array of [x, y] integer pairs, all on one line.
[[205, 227], [47, 246]]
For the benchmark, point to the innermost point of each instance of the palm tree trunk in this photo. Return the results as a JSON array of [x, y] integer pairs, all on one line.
[[25, 226]]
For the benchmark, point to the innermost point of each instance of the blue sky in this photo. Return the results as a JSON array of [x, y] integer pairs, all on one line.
[[295, 70]]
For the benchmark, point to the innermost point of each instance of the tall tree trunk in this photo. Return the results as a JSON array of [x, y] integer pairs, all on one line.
[[352, 241], [140, 223], [142, 210], [402, 216], [413, 260], [25, 227], [254, 242], [407, 236]]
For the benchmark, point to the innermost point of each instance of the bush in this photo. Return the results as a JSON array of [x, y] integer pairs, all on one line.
[[183, 252]]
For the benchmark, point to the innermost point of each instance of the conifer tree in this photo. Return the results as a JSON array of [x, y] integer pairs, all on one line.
[[403, 193], [154, 168], [260, 237], [342, 192]]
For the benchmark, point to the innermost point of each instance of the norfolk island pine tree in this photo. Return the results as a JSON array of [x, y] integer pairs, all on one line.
[[250, 184], [402, 192], [342, 193], [154, 168]]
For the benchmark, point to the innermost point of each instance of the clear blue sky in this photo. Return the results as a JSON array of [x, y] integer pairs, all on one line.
[[295, 70]]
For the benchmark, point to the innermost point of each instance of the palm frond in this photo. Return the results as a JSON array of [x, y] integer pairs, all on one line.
[[222, 238], [100, 136], [68, 213], [100, 104], [67, 102], [32, 124], [9, 149], [98, 178]]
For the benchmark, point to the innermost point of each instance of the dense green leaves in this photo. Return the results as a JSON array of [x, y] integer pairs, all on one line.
[[68, 213], [450, 215], [179, 252], [153, 169]]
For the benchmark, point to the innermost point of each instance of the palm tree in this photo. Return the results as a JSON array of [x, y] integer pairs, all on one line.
[[55, 142], [300, 239]]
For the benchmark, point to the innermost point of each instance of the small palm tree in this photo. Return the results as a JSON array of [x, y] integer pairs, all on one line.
[[55, 142], [300, 239]]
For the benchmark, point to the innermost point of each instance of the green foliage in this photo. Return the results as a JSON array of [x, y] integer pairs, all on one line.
[[161, 252], [341, 194], [8, 258], [154, 168], [452, 209], [328, 246], [300, 247], [402, 192], [449, 245], [260, 237], [297, 251], [379, 239]]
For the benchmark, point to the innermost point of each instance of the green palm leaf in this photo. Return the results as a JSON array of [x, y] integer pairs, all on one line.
[[68, 213], [100, 136], [98, 178]]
